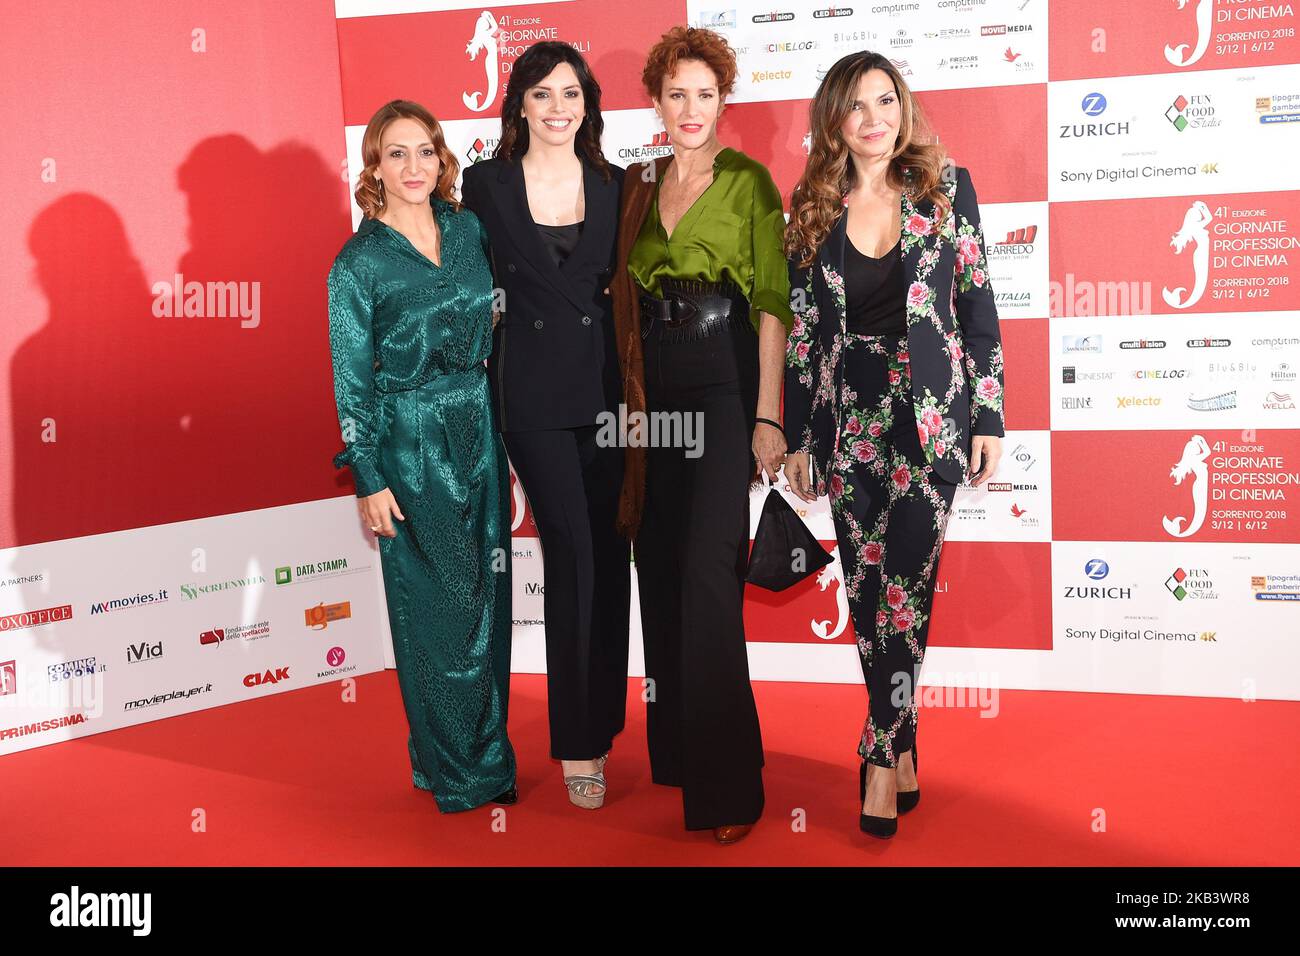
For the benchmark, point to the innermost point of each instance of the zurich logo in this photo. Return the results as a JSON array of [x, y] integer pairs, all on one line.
[[1096, 569], [1094, 104]]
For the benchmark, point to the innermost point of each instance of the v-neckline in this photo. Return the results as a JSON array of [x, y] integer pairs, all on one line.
[[659, 219], [442, 235]]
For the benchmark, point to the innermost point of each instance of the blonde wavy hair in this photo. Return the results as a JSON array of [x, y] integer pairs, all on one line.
[[369, 195], [917, 165]]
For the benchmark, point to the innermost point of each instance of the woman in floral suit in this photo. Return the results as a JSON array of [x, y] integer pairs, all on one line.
[[893, 392]]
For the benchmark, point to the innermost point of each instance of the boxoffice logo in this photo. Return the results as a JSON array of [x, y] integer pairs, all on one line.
[[1192, 583], [320, 616], [208, 300], [192, 592], [38, 618]]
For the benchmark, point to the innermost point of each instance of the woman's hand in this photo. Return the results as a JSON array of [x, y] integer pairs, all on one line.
[[985, 453], [379, 510], [768, 446], [798, 471]]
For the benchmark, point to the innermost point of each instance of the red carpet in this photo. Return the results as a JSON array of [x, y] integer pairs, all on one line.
[[305, 778]]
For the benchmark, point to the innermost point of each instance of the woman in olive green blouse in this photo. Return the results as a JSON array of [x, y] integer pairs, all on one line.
[[703, 306]]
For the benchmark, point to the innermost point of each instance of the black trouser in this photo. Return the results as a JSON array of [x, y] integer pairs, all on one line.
[[572, 484], [692, 551]]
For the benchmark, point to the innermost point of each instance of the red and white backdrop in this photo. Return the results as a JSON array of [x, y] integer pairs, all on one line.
[[180, 180]]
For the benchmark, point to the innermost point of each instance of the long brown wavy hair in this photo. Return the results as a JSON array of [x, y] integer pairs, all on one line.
[[917, 165], [369, 195]]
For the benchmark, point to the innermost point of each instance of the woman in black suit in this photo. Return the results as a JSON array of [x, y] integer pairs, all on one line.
[[549, 202]]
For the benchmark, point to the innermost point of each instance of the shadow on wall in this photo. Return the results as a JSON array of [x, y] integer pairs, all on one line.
[[127, 414]]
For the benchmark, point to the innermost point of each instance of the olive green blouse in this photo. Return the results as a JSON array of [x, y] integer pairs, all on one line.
[[732, 232]]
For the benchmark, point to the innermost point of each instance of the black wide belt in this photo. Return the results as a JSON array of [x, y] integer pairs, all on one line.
[[692, 309]]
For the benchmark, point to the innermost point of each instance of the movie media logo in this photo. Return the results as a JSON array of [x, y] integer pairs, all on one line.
[[1277, 401], [1096, 569], [1208, 343], [38, 618], [1009, 486], [238, 632], [266, 677], [1192, 583], [1275, 587], [8, 677], [334, 566], [322, 615], [129, 602], [1222, 402], [1142, 344], [192, 592], [144, 651], [166, 698], [66, 670], [1001, 29], [43, 726]]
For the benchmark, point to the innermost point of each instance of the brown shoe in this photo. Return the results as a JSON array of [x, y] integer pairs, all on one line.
[[732, 833]]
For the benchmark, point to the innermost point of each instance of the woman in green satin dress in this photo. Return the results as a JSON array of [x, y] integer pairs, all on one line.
[[410, 315]]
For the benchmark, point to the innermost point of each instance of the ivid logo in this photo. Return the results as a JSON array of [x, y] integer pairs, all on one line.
[[267, 677], [1195, 231], [833, 573], [484, 40], [1192, 463], [1177, 55]]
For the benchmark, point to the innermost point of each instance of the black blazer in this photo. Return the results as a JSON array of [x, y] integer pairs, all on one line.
[[953, 337], [553, 362]]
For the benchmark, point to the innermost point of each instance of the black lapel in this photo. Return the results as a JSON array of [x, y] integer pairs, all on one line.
[[831, 257], [599, 200], [525, 235]]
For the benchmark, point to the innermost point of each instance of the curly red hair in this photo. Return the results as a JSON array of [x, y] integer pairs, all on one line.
[[367, 193], [689, 43]]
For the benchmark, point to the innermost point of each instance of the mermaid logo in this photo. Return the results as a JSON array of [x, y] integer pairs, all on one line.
[[485, 41], [516, 500], [1195, 230], [833, 573], [1192, 463], [1177, 55]]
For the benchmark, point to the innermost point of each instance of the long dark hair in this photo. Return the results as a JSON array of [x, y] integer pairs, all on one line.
[[530, 69]]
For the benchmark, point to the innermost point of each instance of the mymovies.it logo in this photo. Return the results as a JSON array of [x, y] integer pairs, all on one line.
[[126, 910]]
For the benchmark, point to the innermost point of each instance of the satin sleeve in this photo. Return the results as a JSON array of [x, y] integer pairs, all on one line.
[[351, 316], [771, 271]]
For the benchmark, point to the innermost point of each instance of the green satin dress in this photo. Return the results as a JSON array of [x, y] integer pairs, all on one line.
[[408, 340]]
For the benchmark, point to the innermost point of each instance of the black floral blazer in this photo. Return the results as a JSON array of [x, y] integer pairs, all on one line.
[[953, 341]]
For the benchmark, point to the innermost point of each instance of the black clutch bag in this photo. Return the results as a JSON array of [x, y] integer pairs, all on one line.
[[785, 551]]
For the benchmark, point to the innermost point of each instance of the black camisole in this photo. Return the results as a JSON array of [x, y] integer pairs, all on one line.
[[560, 241], [875, 292]]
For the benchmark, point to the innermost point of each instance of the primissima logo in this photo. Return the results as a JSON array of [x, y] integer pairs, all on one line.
[[287, 573], [320, 616], [46, 615], [42, 726], [191, 592], [128, 602]]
